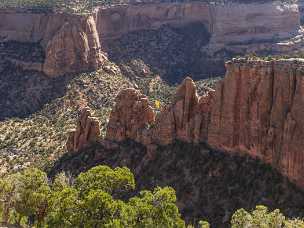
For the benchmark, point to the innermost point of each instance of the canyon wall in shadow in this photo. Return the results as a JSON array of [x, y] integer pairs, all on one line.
[[73, 43]]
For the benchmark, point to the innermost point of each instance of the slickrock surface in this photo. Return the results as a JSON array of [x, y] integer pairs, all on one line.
[[257, 109], [87, 132], [131, 117]]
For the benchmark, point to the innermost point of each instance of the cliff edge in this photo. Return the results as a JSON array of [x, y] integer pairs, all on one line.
[[256, 109]]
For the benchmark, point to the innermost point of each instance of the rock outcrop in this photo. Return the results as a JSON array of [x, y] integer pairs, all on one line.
[[87, 132], [73, 43], [74, 48], [257, 109], [186, 118], [70, 42], [131, 117]]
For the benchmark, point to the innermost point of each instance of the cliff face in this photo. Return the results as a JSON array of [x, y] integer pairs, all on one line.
[[257, 110], [118, 20], [249, 23], [87, 131], [227, 23], [195, 38], [71, 43]]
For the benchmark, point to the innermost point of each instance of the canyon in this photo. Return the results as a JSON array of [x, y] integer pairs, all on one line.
[[239, 145], [134, 72], [77, 43], [256, 110]]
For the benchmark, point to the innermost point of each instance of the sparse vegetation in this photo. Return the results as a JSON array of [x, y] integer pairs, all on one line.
[[87, 6], [40, 138]]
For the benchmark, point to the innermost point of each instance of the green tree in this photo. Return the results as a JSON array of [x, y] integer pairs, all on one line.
[[64, 208], [156, 209], [98, 207], [7, 195], [204, 224], [261, 217], [32, 192], [115, 182], [60, 182]]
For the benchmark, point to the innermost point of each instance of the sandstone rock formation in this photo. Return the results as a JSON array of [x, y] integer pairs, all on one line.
[[131, 117], [87, 132], [74, 48], [186, 118], [256, 109], [70, 42], [231, 22], [73, 43]]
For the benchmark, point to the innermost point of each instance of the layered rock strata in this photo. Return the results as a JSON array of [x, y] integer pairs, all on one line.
[[70, 42], [186, 118], [86, 133], [256, 109], [73, 43]]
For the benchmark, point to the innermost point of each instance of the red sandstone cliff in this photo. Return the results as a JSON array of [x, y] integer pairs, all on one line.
[[70, 42], [256, 109], [73, 43]]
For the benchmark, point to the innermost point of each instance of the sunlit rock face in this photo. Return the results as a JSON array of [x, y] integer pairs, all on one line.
[[231, 22], [195, 38], [186, 118], [73, 43], [70, 43], [257, 109], [131, 117]]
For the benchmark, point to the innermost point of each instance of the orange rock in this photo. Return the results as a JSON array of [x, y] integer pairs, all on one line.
[[74, 48], [87, 131], [131, 117], [186, 118], [258, 110]]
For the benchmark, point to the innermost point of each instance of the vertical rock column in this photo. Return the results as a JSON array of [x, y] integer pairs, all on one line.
[[87, 132]]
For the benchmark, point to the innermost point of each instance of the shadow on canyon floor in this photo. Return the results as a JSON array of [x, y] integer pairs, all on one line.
[[209, 184], [171, 52], [25, 92]]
